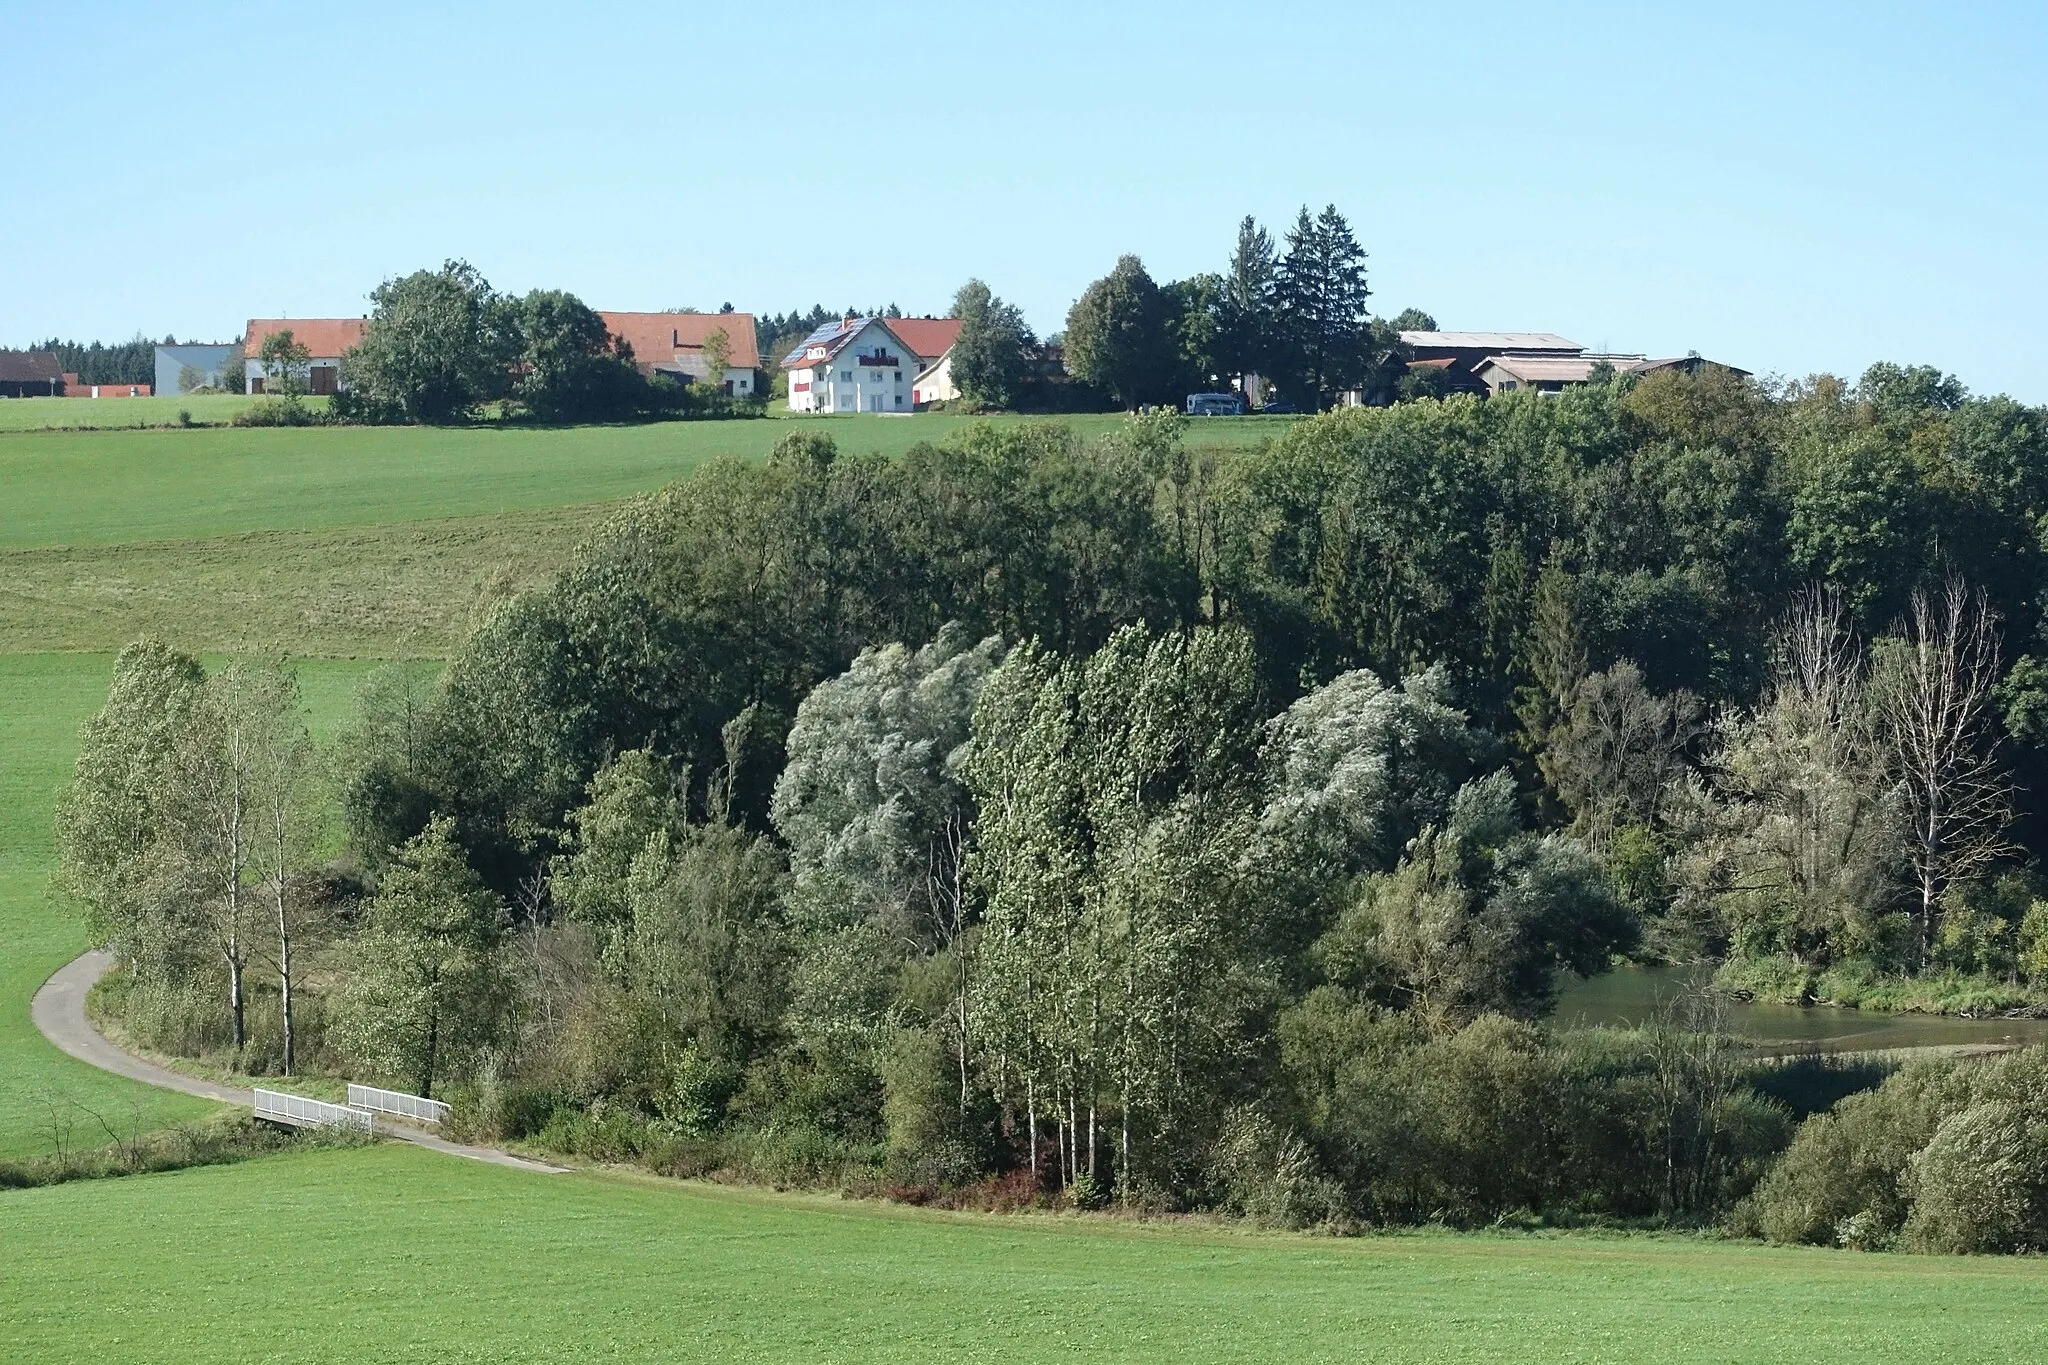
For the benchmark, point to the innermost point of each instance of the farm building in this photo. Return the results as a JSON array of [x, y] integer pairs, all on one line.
[[30, 374], [674, 344], [927, 339], [200, 363], [326, 340], [74, 387], [1460, 354], [935, 383], [1555, 373], [854, 365]]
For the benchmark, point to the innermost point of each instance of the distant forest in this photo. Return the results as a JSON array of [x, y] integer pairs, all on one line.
[[107, 362]]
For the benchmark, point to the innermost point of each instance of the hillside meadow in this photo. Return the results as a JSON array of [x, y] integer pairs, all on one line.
[[113, 487], [393, 1254]]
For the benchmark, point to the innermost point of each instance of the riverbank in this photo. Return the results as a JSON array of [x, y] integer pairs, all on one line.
[[1859, 986]]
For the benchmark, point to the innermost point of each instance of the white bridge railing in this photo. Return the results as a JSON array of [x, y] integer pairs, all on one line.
[[398, 1102], [301, 1112]]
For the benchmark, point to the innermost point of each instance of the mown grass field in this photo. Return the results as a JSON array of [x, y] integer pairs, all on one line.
[[160, 410], [389, 1254], [112, 487]]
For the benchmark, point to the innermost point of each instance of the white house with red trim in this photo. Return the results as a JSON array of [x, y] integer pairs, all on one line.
[[854, 365]]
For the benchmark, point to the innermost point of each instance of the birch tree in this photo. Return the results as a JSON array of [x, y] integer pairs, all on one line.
[[285, 822], [1932, 688], [209, 828]]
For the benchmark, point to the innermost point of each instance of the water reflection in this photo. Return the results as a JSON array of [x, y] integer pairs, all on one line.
[[1629, 995]]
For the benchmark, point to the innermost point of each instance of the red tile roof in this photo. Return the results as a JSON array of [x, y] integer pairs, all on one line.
[[925, 338], [663, 338], [323, 338]]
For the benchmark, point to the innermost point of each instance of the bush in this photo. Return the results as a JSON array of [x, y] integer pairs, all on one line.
[[289, 411], [1978, 1183], [1943, 1156], [1260, 1172]]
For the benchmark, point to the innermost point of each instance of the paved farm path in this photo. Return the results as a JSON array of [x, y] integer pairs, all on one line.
[[59, 1013]]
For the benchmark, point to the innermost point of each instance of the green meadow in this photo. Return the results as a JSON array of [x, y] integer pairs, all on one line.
[[72, 414], [348, 546], [113, 487], [388, 1254]]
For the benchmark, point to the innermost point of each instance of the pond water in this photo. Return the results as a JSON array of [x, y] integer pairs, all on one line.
[[1630, 995]]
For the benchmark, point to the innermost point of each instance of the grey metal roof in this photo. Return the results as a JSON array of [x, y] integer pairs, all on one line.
[[1493, 341]]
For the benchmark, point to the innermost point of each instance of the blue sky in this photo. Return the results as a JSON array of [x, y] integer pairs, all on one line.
[[1792, 188]]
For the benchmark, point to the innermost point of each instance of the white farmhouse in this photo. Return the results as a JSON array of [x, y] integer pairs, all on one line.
[[857, 365], [326, 341]]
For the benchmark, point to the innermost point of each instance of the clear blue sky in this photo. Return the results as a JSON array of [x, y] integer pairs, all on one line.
[[1792, 188]]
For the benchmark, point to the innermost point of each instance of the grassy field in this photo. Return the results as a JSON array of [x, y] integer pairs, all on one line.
[[43, 700], [404, 590], [71, 414], [115, 487], [388, 1254]]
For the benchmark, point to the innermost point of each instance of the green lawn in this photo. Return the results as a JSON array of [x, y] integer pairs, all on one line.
[[387, 1254], [43, 700], [113, 487], [37, 414], [399, 591]]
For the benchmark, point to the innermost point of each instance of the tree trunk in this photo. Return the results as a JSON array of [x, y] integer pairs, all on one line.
[[234, 958], [433, 1044], [284, 974]]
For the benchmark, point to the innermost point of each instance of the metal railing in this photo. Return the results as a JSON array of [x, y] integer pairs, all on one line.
[[399, 1103], [301, 1112]]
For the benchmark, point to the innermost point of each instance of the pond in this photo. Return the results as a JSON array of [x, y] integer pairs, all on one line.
[[1630, 995]]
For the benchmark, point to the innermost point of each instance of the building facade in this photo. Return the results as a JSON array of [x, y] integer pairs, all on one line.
[[855, 365], [326, 341], [201, 363], [675, 344]]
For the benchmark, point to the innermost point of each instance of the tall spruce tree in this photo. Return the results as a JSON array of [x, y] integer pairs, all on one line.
[[1325, 328]]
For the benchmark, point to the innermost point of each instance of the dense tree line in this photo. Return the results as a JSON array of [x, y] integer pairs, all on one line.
[[107, 362], [1180, 829], [442, 345], [1296, 315]]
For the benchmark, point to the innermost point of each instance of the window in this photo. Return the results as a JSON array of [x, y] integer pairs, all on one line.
[[1506, 384], [899, 376], [846, 374]]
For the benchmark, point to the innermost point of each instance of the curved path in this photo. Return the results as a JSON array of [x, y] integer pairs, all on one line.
[[59, 1013]]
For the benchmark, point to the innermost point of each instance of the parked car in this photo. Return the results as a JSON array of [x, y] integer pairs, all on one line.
[[1280, 409], [1215, 405]]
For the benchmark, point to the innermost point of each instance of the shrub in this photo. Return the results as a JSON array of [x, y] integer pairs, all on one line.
[[1261, 1172], [289, 411], [1978, 1183]]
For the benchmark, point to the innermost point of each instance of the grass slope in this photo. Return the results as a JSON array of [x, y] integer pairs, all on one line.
[[113, 487], [401, 591], [43, 701], [383, 1254]]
